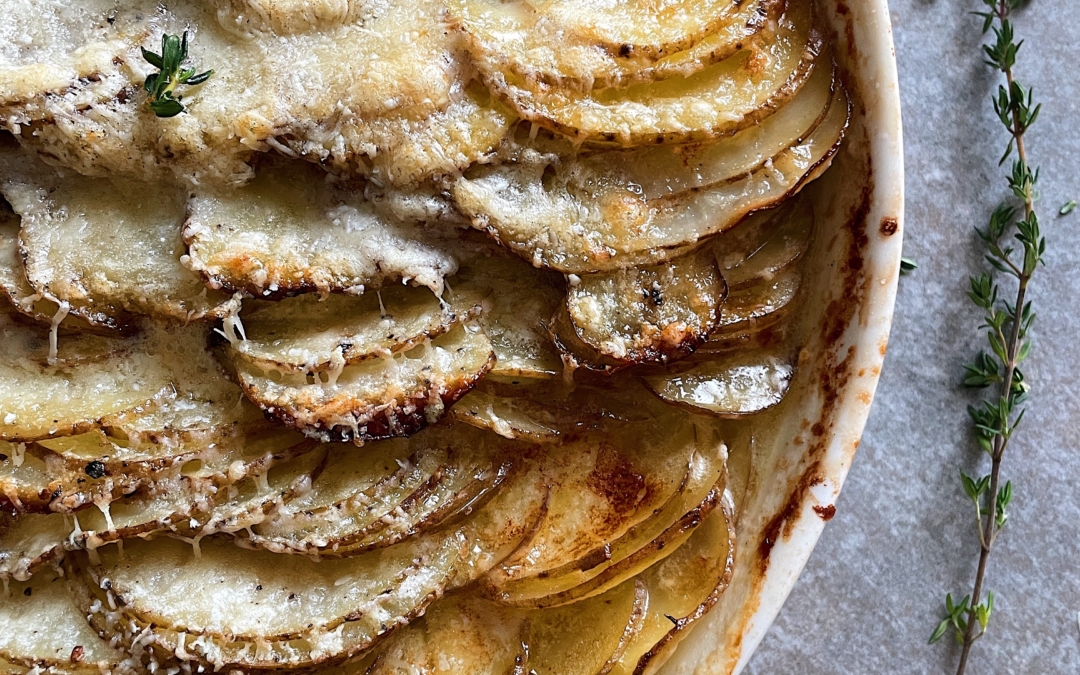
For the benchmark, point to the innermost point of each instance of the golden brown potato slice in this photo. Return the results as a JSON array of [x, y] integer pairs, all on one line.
[[641, 547], [377, 496], [533, 44], [380, 95], [248, 608], [103, 248], [681, 590], [518, 299], [41, 628], [740, 90], [734, 385], [109, 376], [582, 229], [309, 334], [380, 398], [464, 634], [651, 314], [602, 486], [291, 231]]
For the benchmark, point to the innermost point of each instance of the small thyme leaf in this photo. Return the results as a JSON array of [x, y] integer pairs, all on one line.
[[161, 87], [1067, 208], [908, 265]]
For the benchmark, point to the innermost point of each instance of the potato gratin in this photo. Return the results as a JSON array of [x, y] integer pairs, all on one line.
[[407, 340]]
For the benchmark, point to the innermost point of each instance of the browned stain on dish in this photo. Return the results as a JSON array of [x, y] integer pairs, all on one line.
[[825, 512], [889, 226]]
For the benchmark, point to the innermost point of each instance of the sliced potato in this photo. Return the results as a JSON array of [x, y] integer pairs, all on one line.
[[38, 400], [378, 505], [40, 627], [309, 334], [661, 171], [639, 548], [392, 396], [104, 249], [507, 416], [380, 94], [759, 305], [602, 485], [645, 29], [16, 287], [557, 226], [588, 637], [648, 314], [739, 384], [30, 542], [775, 247], [290, 231], [533, 43], [519, 298], [681, 590], [741, 90], [464, 634], [231, 607], [459, 634], [51, 47], [285, 17]]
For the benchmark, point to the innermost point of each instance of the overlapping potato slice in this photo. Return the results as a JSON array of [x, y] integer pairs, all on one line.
[[646, 29], [105, 250], [388, 491], [740, 90], [735, 385], [534, 44], [584, 227], [392, 396], [50, 45], [16, 287], [41, 628], [681, 590], [382, 94], [519, 298], [186, 505], [651, 314], [103, 377], [291, 231], [507, 415], [758, 255], [310, 334], [459, 634], [758, 306], [29, 542], [285, 17], [107, 130], [602, 486], [641, 547], [469, 635], [231, 607]]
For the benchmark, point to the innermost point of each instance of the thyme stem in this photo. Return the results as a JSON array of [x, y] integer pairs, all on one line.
[[1007, 327]]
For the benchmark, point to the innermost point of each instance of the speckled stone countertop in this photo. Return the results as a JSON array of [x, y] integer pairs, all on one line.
[[904, 532]]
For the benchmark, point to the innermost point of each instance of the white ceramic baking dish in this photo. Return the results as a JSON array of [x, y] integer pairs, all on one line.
[[802, 452]]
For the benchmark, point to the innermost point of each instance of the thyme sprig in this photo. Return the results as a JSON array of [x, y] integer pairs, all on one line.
[[1015, 248], [161, 87]]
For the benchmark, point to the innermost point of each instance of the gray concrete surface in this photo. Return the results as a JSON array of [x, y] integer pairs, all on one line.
[[904, 533]]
